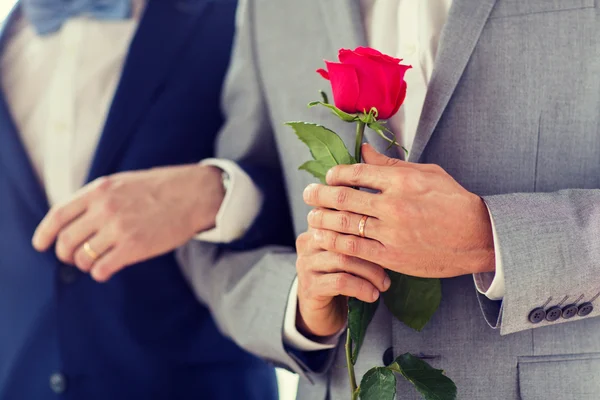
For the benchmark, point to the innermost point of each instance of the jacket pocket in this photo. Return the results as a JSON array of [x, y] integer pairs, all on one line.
[[563, 377], [510, 8]]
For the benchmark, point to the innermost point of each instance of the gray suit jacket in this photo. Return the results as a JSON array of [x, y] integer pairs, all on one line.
[[512, 113]]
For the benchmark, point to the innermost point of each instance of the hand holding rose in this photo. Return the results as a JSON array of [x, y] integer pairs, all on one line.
[[325, 279], [421, 223]]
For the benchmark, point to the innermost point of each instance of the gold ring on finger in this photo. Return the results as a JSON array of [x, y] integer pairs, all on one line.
[[89, 251], [362, 224]]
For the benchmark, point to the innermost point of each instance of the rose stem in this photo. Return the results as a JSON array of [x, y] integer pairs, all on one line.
[[350, 364], [360, 133]]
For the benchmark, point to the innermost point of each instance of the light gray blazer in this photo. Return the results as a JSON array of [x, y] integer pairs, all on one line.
[[512, 113]]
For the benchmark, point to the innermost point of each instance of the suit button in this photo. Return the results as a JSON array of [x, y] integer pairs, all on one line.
[[585, 309], [553, 313], [537, 315], [58, 383], [68, 274], [388, 356], [569, 311]]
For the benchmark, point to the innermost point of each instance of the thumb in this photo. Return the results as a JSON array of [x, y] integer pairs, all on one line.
[[373, 157]]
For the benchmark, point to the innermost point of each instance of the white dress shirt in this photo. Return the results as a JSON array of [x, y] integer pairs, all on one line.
[[59, 89], [410, 30]]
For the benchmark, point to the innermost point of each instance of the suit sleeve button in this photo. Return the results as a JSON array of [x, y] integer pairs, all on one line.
[[569, 311], [585, 309], [537, 315], [553, 313]]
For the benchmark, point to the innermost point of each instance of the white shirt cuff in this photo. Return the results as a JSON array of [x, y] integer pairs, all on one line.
[[296, 340], [241, 205], [491, 284]]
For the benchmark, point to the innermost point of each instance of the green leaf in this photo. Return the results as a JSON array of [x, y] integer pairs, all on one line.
[[344, 116], [430, 382], [378, 384], [324, 144], [383, 132], [413, 300], [316, 168], [360, 315]]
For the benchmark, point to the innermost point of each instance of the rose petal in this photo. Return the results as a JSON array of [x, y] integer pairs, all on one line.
[[371, 79], [344, 85], [399, 99], [368, 51], [323, 73]]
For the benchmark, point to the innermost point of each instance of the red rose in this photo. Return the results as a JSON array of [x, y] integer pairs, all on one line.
[[365, 78]]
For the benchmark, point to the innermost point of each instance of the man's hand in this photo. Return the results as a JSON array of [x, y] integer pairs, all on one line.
[[130, 217], [421, 223], [325, 280]]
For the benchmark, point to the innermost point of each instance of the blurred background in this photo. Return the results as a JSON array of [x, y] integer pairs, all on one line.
[[287, 381]]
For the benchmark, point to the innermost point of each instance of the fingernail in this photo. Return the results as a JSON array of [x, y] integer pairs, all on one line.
[[375, 294], [387, 282], [329, 175], [308, 189], [318, 235]]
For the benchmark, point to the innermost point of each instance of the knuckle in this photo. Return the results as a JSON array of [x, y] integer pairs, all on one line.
[[357, 172], [343, 222], [365, 289], [65, 241], [332, 240], [59, 214], [341, 196], [340, 283], [343, 259], [109, 206], [103, 184], [351, 245]]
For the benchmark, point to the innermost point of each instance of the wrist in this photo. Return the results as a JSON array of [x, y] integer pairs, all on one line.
[[485, 255], [330, 321], [209, 193]]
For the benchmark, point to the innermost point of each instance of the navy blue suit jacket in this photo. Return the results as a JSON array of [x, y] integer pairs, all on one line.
[[143, 335]]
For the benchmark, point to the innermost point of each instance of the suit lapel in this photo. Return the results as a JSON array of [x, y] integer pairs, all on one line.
[[12, 152], [161, 35], [461, 33]]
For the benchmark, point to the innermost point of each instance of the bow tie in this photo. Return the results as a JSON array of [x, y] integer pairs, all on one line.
[[47, 16]]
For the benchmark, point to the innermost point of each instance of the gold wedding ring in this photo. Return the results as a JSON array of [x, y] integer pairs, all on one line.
[[361, 225], [89, 251]]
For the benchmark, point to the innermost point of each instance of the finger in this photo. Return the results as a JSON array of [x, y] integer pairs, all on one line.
[[360, 175], [110, 263], [373, 157], [73, 235], [100, 243], [340, 198], [330, 262], [341, 284], [55, 221], [366, 249], [344, 222]]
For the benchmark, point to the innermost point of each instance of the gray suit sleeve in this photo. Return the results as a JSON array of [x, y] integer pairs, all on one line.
[[550, 247], [247, 292]]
